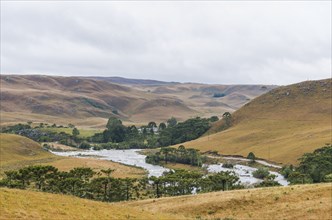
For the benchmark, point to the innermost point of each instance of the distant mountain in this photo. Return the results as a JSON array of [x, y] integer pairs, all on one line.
[[127, 81], [89, 102], [280, 125]]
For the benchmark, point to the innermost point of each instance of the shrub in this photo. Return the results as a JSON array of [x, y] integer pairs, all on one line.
[[227, 165], [261, 173]]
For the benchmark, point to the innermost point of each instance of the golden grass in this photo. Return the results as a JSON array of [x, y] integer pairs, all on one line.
[[121, 171], [277, 126], [17, 151], [24, 204], [292, 202]]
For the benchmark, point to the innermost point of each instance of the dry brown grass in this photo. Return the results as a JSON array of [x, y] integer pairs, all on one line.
[[277, 126], [292, 202], [24, 204]]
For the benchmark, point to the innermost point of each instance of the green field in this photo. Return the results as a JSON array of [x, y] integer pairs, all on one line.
[[84, 133]]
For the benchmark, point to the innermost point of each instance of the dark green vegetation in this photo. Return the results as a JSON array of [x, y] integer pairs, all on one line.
[[182, 182], [122, 137], [314, 167], [116, 135], [180, 155], [261, 173], [85, 183], [41, 134]]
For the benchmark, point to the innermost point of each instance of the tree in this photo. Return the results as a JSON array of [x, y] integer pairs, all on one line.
[[171, 122], [75, 132], [214, 119], [299, 178], [251, 156], [162, 126], [227, 117], [261, 173], [152, 124], [115, 132], [223, 180], [166, 151], [156, 182]]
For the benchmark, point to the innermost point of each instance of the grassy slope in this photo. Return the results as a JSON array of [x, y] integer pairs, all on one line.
[[292, 202], [17, 151], [15, 205], [280, 125]]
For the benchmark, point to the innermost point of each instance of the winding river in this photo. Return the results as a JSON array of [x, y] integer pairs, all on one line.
[[128, 157], [132, 157]]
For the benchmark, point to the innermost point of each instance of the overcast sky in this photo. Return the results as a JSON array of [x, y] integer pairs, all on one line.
[[275, 42]]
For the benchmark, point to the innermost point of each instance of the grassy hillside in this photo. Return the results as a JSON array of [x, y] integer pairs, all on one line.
[[292, 202], [88, 102], [280, 125], [17, 151], [15, 205]]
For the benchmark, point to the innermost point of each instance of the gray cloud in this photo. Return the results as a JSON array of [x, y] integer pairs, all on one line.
[[211, 42]]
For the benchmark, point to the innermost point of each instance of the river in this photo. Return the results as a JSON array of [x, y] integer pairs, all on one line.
[[128, 157], [134, 158]]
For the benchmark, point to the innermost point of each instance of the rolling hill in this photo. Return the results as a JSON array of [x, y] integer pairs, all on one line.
[[292, 202], [89, 102], [280, 125], [15, 205], [17, 151]]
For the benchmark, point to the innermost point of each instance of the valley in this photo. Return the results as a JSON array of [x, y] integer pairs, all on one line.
[[191, 167]]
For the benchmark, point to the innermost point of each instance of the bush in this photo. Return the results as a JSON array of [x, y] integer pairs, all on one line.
[[227, 165], [261, 173], [84, 145]]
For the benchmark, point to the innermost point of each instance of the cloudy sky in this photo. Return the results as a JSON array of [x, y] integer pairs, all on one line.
[[275, 42]]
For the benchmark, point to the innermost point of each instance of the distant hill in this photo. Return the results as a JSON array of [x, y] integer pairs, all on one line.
[[126, 81], [280, 125], [90, 102]]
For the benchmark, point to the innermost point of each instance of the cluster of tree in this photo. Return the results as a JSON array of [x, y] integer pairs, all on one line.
[[314, 167], [184, 131], [182, 182], [180, 155], [118, 136], [37, 133], [81, 182], [151, 136], [85, 183]]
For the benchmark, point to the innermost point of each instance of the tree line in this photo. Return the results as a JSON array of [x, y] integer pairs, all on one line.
[[314, 167], [85, 183], [116, 135]]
